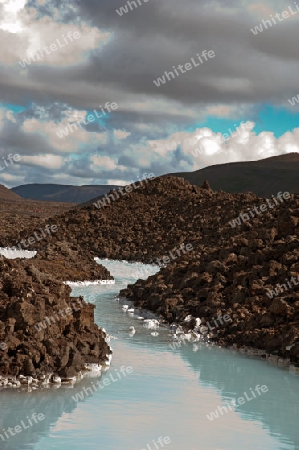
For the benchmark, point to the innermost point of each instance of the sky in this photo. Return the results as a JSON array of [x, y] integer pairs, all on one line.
[[86, 106]]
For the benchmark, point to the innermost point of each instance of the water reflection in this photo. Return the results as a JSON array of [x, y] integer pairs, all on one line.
[[232, 374], [169, 393]]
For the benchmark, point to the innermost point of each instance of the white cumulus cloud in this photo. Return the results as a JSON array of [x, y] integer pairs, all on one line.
[[48, 161]]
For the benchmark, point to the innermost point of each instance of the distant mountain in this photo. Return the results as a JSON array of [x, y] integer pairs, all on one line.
[[7, 194], [264, 177], [61, 192]]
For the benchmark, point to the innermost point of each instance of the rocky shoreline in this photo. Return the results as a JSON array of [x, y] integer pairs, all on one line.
[[271, 325], [49, 380], [44, 338], [230, 270]]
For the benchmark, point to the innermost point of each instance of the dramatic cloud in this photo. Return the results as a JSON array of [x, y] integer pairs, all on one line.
[[24, 35], [203, 147], [61, 62]]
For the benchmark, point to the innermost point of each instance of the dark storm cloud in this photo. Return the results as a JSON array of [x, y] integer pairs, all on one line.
[[23, 143], [151, 39], [144, 43]]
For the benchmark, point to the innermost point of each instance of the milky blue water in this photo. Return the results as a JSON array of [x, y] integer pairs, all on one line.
[[161, 392]]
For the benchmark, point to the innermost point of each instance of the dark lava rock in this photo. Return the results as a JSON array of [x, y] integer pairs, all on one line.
[[230, 270], [68, 337]]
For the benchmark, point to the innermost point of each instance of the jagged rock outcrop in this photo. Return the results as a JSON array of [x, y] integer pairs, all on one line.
[[148, 222], [42, 328], [233, 273], [69, 263], [236, 259]]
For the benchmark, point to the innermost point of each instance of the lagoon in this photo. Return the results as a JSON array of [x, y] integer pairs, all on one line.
[[168, 392]]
